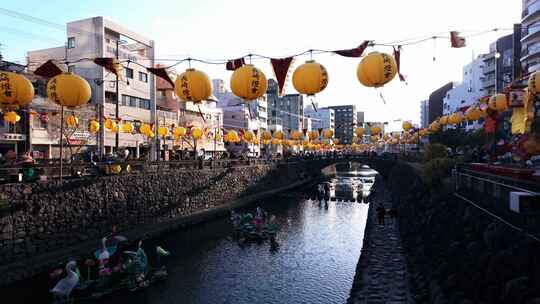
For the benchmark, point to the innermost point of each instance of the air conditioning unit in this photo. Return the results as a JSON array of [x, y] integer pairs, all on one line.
[[524, 202]]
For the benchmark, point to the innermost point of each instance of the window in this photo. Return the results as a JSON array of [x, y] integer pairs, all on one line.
[[71, 69], [71, 43], [125, 99], [108, 40], [133, 101], [143, 77], [129, 73]]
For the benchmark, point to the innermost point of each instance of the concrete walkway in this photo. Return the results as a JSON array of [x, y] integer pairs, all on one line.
[[381, 274]]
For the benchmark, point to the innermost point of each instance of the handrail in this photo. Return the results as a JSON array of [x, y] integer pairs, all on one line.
[[499, 183]]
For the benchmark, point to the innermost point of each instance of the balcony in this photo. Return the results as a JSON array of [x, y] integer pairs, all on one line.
[[489, 68], [531, 11], [488, 83], [532, 50]]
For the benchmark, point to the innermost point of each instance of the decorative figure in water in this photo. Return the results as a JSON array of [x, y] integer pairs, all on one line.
[[65, 286]]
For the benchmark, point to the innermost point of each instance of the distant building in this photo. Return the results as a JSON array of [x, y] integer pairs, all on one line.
[[436, 102], [498, 65], [424, 113], [359, 117], [323, 118], [286, 111], [530, 36], [345, 121], [466, 93]]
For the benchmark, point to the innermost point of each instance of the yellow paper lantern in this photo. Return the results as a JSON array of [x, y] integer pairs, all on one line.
[[310, 78], [93, 126], [375, 130], [314, 134], [145, 129], [359, 131], [374, 138], [196, 133], [376, 69], [256, 141], [114, 128], [69, 90], [116, 169], [127, 127], [179, 132], [407, 125], [15, 90], [248, 82], [434, 127], [12, 117], [424, 132], [72, 120], [534, 83], [266, 135], [456, 118], [498, 102], [443, 120], [163, 131], [328, 133], [232, 137], [473, 113], [108, 123], [386, 136], [279, 135], [193, 85], [249, 136], [276, 142], [297, 135], [266, 141]]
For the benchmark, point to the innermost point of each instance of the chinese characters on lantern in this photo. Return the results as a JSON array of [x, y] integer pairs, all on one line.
[[185, 88], [5, 85]]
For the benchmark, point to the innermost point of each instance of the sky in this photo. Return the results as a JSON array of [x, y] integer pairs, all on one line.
[[212, 29]]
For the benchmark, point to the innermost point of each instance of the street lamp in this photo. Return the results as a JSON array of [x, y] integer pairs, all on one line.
[[117, 110]]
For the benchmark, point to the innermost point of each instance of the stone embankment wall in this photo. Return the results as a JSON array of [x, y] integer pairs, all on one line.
[[42, 218], [457, 253]]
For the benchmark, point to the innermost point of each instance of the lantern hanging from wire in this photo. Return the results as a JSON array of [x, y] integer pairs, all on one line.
[[193, 85], [310, 78], [69, 90], [93, 126], [376, 69], [248, 82], [498, 102], [12, 117], [15, 90], [72, 121]]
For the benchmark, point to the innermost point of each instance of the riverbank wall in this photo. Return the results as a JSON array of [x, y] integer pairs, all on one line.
[[457, 253], [47, 222]]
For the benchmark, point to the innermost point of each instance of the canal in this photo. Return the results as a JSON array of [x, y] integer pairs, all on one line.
[[319, 248]]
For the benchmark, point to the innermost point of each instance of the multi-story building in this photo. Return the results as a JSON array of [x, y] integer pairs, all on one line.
[[530, 41], [323, 118], [466, 93], [359, 117], [436, 102], [99, 37], [498, 65], [286, 111], [424, 113], [345, 121]]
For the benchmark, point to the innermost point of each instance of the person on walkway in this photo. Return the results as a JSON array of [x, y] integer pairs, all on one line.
[[393, 214], [381, 212]]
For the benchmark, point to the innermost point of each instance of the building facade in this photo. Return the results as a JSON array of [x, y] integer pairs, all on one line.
[[359, 117], [286, 111], [436, 102], [323, 118], [99, 37], [466, 93], [345, 122], [424, 113], [530, 36], [498, 65]]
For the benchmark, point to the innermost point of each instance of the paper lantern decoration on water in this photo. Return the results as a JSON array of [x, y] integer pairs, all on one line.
[[534, 83], [279, 135], [359, 131], [179, 132], [313, 134], [193, 85], [297, 135], [69, 90], [15, 90], [12, 117], [376, 69], [248, 82], [93, 126], [248, 136], [163, 131], [72, 120], [407, 125], [127, 127], [328, 133], [196, 133], [473, 113], [456, 118], [310, 78], [266, 135], [498, 102]]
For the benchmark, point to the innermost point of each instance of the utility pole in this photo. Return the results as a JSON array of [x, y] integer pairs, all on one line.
[[117, 134]]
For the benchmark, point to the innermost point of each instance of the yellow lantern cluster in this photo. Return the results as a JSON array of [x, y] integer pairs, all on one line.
[[127, 127], [456, 118], [179, 132], [93, 126], [196, 133], [232, 137], [473, 113], [443, 120], [435, 127], [498, 102], [407, 125], [276, 141], [249, 136], [359, 131], [328, 133], [376, 69], [193, 85], [163, 131], [146, 130], [297, 135], [534, 83], [248, 82], [12, 117], [69, 90], [279, 135], [266, 136], [375, 130], [72, 121], [15, 90], [109, 124], [310, 78], [314, 134]]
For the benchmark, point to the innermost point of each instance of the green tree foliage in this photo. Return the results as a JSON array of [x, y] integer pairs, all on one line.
[[455, 138], [433, 151]]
